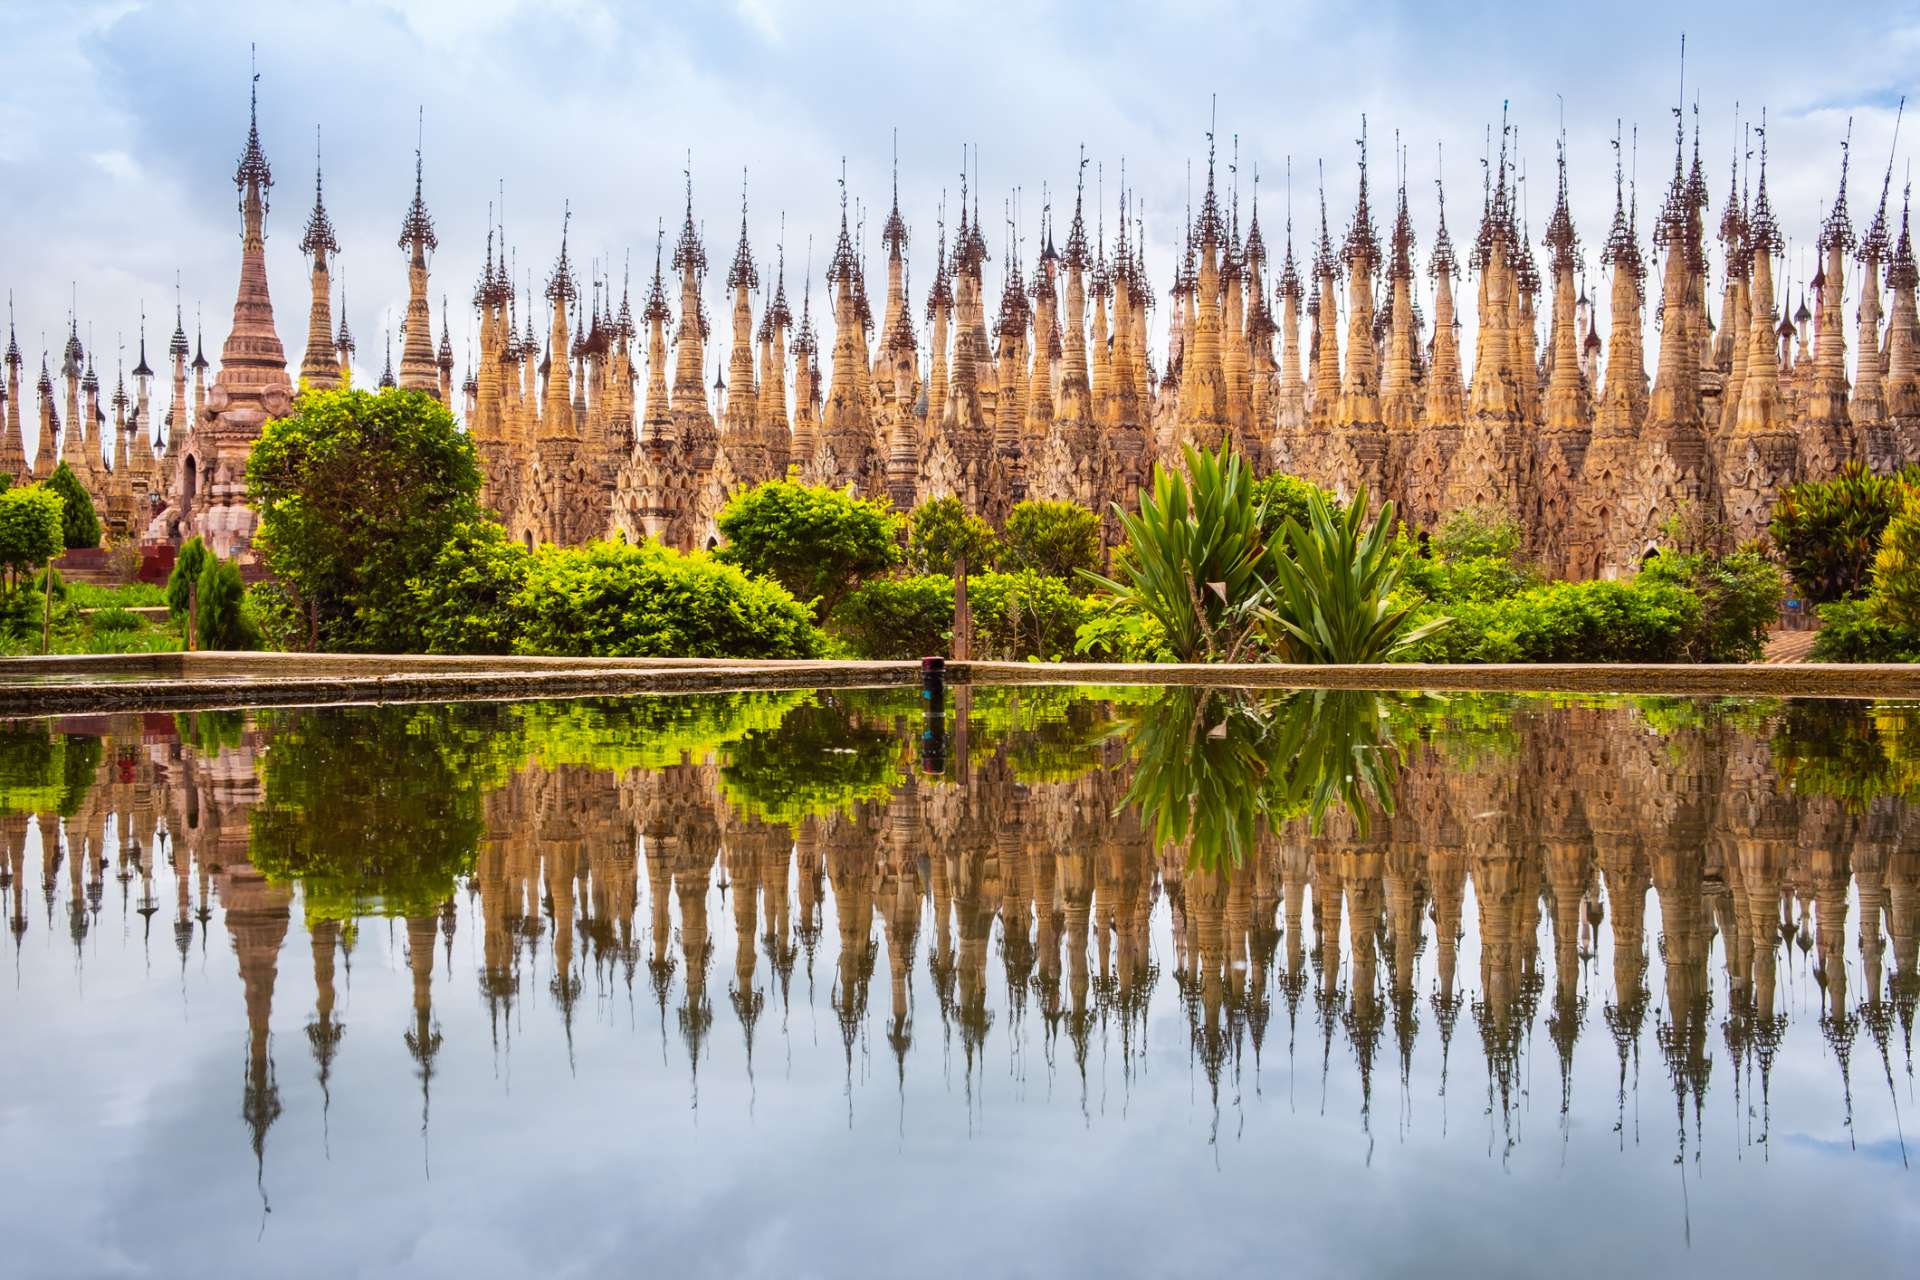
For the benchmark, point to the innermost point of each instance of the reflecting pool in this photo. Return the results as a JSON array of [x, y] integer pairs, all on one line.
[[1039, 981]]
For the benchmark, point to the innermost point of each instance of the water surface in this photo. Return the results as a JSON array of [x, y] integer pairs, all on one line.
[[1050, 981]]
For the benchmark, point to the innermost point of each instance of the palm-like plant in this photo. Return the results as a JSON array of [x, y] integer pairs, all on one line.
[[1195, 556], [1333, 584]]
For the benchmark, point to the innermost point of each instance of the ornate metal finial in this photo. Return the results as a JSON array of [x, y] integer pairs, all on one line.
[[743, 274], [893, 232], [319, 239], [656, 309], [1210, 228], [688, 253], [1560, 235], [1902, 272], [1873, 245], [1443, 260], [139, 370], [417, 229], [1838, 228], [779, 316], [561, 288], [1622, 251], [1763, 232], [253, 169], [386, 371]]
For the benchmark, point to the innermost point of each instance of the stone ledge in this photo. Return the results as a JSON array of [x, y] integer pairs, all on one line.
[[180, 681]]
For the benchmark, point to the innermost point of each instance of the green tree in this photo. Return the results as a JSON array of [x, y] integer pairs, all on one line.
[[1827, 531], [1057, 539], [941, 531], [816, 542], [31, 529], [1739, 596], [183, 586], [465, 601], [79, 524], [1280, 498], [610, 599], [897, 618], [357, 493]]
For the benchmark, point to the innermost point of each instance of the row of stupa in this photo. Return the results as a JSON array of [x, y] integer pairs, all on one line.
[[1058, 395]]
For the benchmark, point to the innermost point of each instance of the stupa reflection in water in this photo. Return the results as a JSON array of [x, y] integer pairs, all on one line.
[[1426, 905]]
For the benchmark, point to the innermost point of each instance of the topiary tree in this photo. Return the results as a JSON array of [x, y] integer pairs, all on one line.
[[357, 493], [816, 542], [1055, 539], [1828, 531], [31, 529], [79, 523], [183, 586], [222, 623], [943, 530]]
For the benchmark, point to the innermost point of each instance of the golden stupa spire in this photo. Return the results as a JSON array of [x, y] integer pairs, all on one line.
[[417, 368], [321, 367]]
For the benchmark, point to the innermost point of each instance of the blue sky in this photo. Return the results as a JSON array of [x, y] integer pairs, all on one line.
[[120, 123]]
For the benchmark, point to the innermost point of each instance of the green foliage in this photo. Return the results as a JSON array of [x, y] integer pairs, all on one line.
[[1112, 630], [1852, 631], [1023, 615], [465, 601], [1827, 531], [188, 563], [1057, 539], [817, 760], [79, 523], [1854, 752], [374, 809], [126, 595], [1896, 569], [224, 624], [610, 599], [357, 493], [1281, 498], [897, 618], [45, 772], [619, 734], [1599, 621], [1739, 595], [1477, 532], [31, 528], [1470, 578], [1333, 597], [816, 542], [940, 531], [277, 616], [1194, 556]]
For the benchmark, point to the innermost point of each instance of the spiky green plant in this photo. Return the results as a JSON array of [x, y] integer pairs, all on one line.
[[1195, 553], [1332, 598]]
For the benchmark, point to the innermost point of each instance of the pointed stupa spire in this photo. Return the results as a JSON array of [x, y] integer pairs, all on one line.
[[386, 370], [1875, 243], [656, 307], [140, 370], [1288, 285], [1400, 258], [689, 254], [893, 233], [1443, 260], [561, 286], [1622, 251], [1763, 231]]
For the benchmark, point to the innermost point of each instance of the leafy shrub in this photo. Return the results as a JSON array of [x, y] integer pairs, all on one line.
[[611, 599], [1195, 556], [114, 618], [1739, 596], [1638, 621], [1827, 531], [1280, 498], [1057, 539], [79, 523], [940, 531], [1480, 578], [816, 542], [1112, 631], [1896, 569], [1476, 533], [127, 595], [277, 616], [1852, 631], [465, 601], [1334, 588], [1023, 615], [897, 618]]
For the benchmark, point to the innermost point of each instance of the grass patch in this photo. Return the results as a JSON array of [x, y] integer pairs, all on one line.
[[131, 595]]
